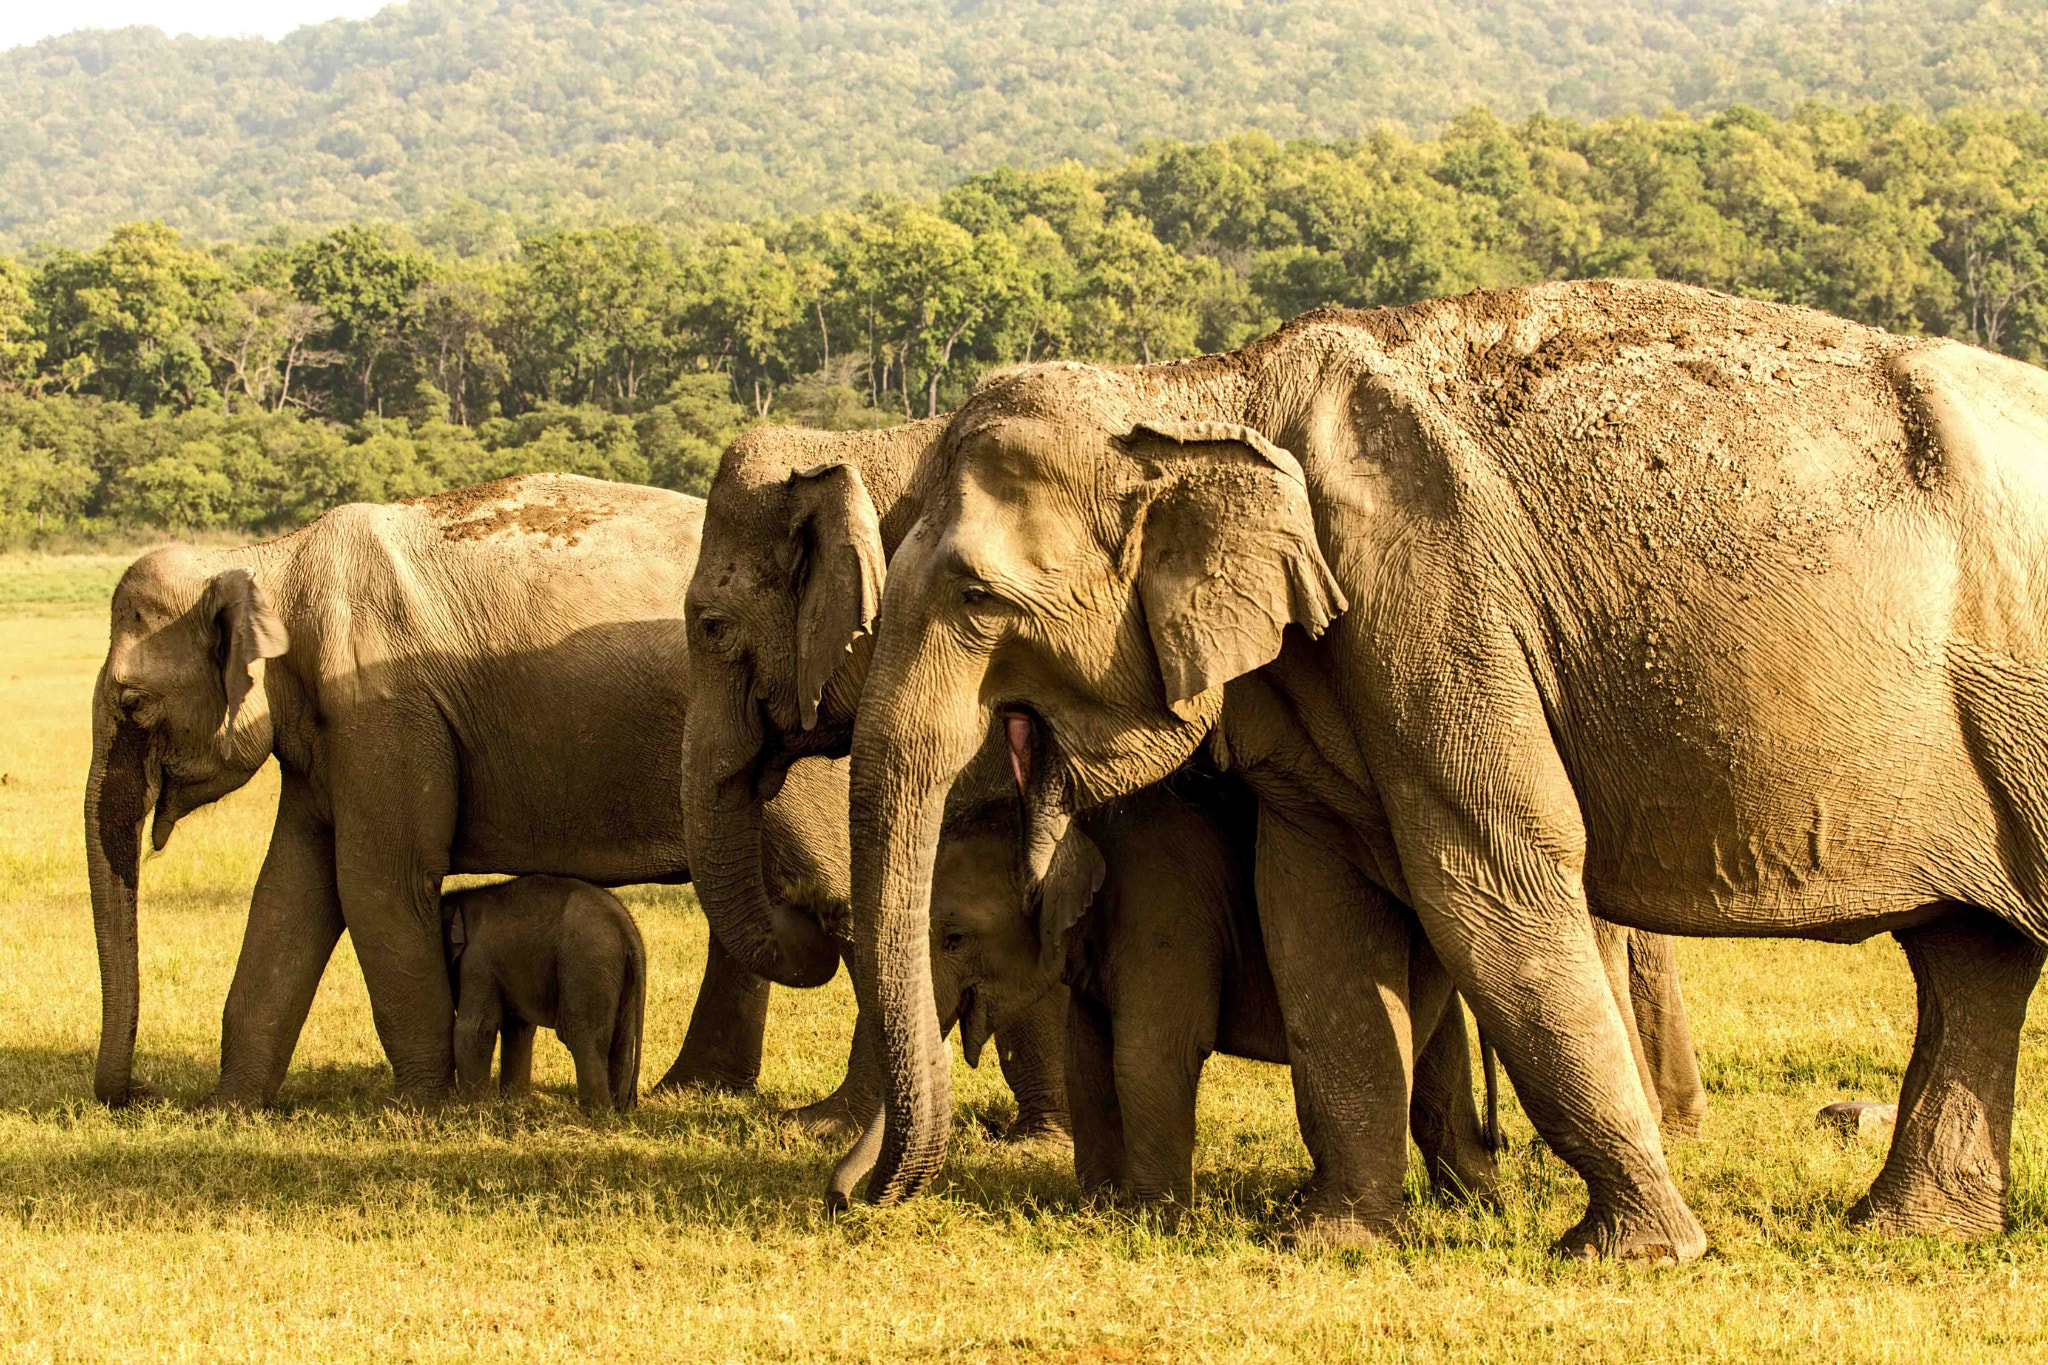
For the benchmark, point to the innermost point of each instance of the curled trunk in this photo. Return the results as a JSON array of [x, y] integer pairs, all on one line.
[[120, 790], [766, 934]]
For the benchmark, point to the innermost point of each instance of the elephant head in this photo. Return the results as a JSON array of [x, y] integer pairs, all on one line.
[[788, 581], [1000, 927], [1094, 567], [180, 717]]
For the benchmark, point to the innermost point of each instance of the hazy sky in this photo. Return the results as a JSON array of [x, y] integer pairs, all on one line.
[[24, 21]]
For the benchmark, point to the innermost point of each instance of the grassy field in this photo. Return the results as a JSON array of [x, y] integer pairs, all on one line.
[[339, 1228]]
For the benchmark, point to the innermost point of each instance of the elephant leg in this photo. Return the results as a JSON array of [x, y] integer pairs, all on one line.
[[722, 1050], [478, 1020], [294, 922], [1666, 1034], [1032, 1050], [1613, 940], [393, 827], [1441, 1116], [843, 1114], [515, 1058], [1157, 1077], [1092, 1103], [589, 1039], [1949, 1163], [1338, 949], [1492, 848]]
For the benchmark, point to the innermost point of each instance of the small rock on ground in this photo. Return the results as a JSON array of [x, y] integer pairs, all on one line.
[[1861, 1118]]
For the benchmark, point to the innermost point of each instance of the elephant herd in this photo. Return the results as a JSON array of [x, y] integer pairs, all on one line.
[[1262, 703]]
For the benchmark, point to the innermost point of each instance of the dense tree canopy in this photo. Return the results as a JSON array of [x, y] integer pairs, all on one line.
[[564, 111], [157, 379]]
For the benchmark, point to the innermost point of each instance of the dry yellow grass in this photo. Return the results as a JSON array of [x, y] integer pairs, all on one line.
[[337, 1228]]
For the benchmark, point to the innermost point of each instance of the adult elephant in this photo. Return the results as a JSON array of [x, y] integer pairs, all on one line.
[[486, 680], [1712, 616], [796, 535]]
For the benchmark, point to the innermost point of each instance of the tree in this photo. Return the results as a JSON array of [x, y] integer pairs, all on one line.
[[122, 321], [260, 339], [363, 284]]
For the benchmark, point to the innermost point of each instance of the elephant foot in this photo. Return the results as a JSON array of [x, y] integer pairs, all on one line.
[[138, 1095], [220, 1100], [1932, 1212], [1466, 1177], [828, 1120], [689, 1073], [1310, 1231], [1608, 1233], [1037, 1128]]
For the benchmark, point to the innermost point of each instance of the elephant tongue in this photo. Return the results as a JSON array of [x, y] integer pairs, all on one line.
[[1018, 729]]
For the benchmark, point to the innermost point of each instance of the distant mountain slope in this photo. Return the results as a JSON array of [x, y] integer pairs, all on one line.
[[563, 109]]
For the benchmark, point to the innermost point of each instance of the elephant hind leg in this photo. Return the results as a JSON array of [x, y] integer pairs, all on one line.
[[1666, 1033], [1441, 1116], [722, 1050], [1950, 1159]]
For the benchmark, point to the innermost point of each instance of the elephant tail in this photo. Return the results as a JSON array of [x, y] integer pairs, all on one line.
[[624, 1061], [1489, 1066]]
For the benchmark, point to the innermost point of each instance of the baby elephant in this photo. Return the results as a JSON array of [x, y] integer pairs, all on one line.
[[1149, 918], [548, 952]]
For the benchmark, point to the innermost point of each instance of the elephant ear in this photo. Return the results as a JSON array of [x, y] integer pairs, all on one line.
[[839, 571], [1228, 558], [245, 629], [1064, 895]]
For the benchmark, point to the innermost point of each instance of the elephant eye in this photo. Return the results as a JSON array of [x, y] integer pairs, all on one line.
[[712, 627], [952, 942], [974, 594]]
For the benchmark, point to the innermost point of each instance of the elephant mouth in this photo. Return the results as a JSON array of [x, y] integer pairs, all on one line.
[[1029, 741]]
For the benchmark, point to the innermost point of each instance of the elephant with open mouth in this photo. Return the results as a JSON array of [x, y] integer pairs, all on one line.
[[1706, 616]]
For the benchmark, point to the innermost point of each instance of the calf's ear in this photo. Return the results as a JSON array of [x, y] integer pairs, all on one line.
[[1228, 556], [1065, 894], [839, 569]]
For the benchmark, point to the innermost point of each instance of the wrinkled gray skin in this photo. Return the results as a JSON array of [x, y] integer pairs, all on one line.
[[1705, 615], [790, 572], [546, 952], [482, 681], [1146, 920]]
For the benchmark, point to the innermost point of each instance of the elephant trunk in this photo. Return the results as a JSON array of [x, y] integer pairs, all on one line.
[[766, 934], [905, 756], [120, 791]]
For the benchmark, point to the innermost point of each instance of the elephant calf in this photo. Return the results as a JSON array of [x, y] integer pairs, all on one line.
[[1149, 917], [548, 952]]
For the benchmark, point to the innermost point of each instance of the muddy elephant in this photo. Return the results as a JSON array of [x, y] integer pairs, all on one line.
[[791, 567], [1144, 918], [1705, 615], [799, 529], [489, 680], [553, 953]]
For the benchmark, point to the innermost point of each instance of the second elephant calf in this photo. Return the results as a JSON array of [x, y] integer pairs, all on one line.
[[547, 952]]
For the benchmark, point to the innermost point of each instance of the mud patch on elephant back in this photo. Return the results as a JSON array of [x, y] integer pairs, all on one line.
[[1522, 373], [555, 520]]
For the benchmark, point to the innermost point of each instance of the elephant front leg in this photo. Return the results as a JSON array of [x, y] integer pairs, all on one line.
[[1950, 1159], [1613, 941], [392, 830], [475, 1038], [1032, 1051], [1338, 949], [1092, 1103], [722, 1050], [294, 922]]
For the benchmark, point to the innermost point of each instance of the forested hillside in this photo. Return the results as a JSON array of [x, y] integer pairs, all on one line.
[[562, 111], [154, 380]]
